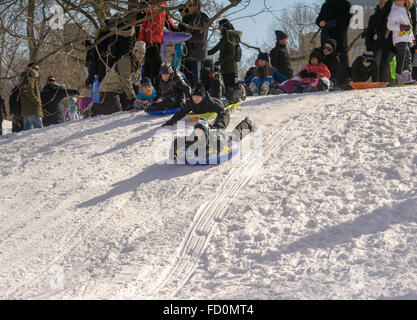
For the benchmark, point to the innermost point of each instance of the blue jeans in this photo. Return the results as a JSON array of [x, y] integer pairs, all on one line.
[[32, 122], [259, 81]]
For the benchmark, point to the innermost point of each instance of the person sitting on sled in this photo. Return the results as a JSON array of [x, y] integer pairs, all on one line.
[[145, 94], [363, 69], [173, 90], [313, 77], [214, 142], [201, 103], [265, 76]]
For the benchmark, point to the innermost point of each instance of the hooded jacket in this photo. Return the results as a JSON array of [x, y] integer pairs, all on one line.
[[280, 60], [397, 17], [31, 104], [226, 46], [53, 107], [121, 78]]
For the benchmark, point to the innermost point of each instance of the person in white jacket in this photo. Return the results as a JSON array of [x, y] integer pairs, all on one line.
[[399, 22]]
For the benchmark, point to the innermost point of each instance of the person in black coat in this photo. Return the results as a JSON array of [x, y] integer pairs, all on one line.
[[363, 69], [2, 114], [90, 63], [280, 59], [334, 19], [330, 58], [52, 97], [196, 47], [379, 40], [200, 103]]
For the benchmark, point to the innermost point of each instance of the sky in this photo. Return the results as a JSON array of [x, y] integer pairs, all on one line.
[[259, 28]]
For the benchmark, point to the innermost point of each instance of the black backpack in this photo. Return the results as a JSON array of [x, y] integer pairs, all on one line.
[[15, 101], [238, 53]]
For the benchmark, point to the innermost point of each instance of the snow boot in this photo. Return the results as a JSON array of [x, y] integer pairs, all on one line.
[[264, 89], [254, 89]]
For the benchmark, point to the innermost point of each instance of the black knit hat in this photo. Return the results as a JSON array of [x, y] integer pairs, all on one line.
[[199, 90], [145, 82], [332, 42], [226, 24], [368, 56], [263, 56], [281, 35], [316, 54]]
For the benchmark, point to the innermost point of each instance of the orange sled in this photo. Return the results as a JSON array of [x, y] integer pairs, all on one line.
[[368, 85]]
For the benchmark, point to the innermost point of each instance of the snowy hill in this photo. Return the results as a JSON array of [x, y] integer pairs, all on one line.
[[331, 214]]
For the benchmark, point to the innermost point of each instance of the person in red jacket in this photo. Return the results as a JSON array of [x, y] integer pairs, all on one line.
[[152, 32], [313, 77]]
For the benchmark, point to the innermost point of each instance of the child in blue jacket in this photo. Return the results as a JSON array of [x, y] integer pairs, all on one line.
[[146, 94], [265, 77]]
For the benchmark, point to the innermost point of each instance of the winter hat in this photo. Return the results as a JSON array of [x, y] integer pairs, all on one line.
[[208, 63], [281, 35], [199, 90], [145, 82], [166, 68], [368, 56], [263, 56], [315, 54], [226, 24], [332, 42], [203, 125], [140, 46]]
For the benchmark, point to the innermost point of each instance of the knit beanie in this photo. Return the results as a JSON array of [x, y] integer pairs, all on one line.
[[166, 68], [332, 42], [140, 46], [281, 35], [368, 56], [208, 63], [203, 125], [145, 82], [263, 56], [199, 90]]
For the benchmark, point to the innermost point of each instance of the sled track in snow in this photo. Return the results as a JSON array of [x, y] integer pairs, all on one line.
[[203, 226]]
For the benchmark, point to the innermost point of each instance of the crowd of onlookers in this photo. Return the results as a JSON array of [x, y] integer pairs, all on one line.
[[137, 67]]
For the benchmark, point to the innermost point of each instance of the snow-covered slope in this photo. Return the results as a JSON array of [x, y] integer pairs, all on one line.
[[86, 212]]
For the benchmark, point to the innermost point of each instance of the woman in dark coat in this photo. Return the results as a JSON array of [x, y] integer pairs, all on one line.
[[53, 107], [226, 46], [334, 19]]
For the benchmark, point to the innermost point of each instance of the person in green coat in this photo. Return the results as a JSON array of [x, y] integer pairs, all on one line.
[[227, 45], [31, 103]]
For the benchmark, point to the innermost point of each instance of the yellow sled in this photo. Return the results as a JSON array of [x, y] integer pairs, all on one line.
[[210, 115]]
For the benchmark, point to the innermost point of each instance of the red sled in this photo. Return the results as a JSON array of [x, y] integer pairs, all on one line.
[[368, 85]]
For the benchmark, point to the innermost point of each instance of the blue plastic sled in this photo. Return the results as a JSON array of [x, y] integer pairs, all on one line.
[[163, 112]]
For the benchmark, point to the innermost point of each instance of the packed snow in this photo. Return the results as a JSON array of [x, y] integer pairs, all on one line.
[[329, 210]]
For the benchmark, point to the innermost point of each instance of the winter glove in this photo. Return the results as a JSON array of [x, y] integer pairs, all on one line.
[[304, 73], [312, 75], [405, 27]]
